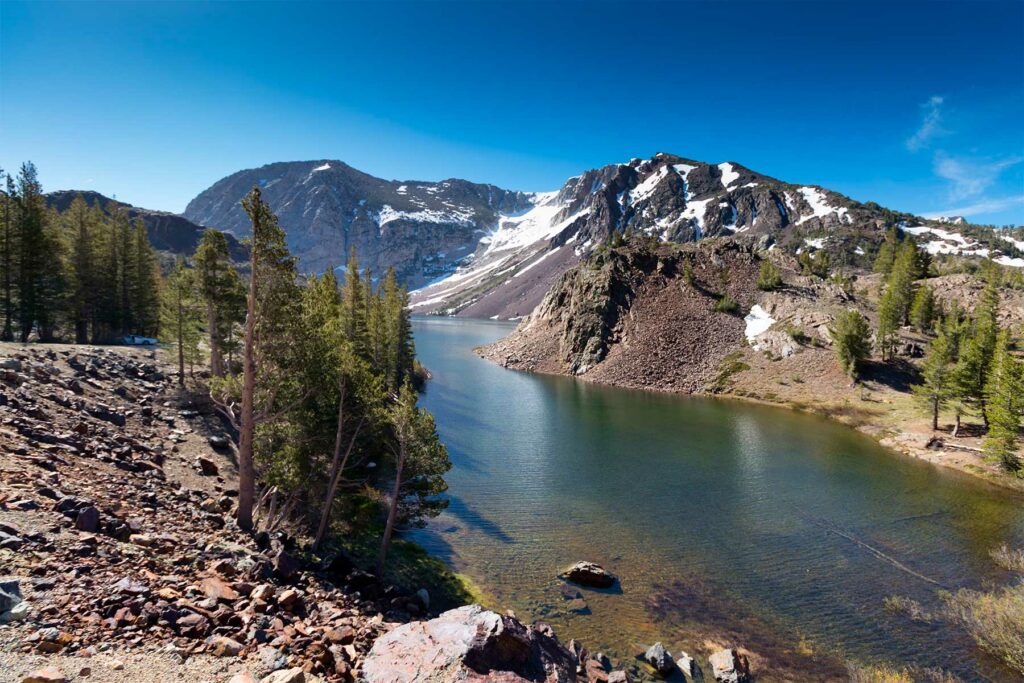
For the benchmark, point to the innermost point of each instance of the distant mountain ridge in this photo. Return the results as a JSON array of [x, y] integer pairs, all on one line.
[[167, 231], [480, 250], [327, 207]]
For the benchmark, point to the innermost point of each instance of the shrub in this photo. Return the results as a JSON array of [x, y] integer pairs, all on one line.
[[726, 304], [995, 620], [769, 278]]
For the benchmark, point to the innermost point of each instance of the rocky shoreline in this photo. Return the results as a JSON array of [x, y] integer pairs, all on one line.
[[121, 560]]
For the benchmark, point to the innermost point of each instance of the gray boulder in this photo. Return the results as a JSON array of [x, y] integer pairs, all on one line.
[[658, 657], [729, 666], [690, 668]]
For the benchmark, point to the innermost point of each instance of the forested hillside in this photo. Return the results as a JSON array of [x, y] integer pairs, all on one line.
[[81, 274]]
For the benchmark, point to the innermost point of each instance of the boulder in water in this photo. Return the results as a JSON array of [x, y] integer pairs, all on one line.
[[589, 574], [658, 657], [729, 666]]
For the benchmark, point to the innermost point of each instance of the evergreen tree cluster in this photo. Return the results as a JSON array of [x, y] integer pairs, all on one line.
[[83, 274], [324, 398]]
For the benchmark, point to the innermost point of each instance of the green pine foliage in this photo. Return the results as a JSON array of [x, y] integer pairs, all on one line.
[[852, 337], [937, 371], [1004, 394], [922, 309]]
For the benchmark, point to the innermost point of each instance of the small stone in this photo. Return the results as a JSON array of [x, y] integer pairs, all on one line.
[[688, 665], [242, 677], [116, 665], [218, 589], [145, 540], [295, 675], [48, 675], [207, 467], [729, 666], [88, 519], [222, 646]]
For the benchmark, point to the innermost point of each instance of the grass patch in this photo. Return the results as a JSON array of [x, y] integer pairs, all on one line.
[[729, 366], [410, 567]]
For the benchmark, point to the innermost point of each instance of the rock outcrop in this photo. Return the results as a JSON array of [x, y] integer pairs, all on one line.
[[640, 316], [469, 644]]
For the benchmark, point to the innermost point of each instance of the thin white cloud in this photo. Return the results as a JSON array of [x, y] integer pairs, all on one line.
[[970, 177], [984, 206], [931, 125]]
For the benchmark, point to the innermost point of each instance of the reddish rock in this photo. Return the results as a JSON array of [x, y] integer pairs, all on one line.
[[467, 643], [218, 589], [48, 675]]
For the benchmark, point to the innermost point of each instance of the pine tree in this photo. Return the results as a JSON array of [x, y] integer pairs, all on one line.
[[1004, 392], [33, 250], [353, 310], [9, 250], [977, 347], [82, 225], [886, 254], [922, 310], [852, 337], [218, 281], [420, 463], [937, 371], [145, 294], [180, 315], [270, 316]]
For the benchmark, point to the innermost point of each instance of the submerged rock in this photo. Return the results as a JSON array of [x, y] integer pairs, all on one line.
[[589, 574], [690, 668], [658, 657], [468, 643], [729, 666]]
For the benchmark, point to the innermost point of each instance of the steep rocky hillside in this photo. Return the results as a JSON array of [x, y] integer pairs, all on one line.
[[168, 232], [640, 317], [327, 207]]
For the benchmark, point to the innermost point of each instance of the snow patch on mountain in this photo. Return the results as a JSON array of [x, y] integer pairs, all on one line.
[[729, 174], [516, 231], [758, 322]]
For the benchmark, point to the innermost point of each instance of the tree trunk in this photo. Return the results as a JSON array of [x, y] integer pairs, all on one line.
[[216, 360], [246, 468], [956, 426], [392, 512], [181, 342], [935, 414], [337, 468]]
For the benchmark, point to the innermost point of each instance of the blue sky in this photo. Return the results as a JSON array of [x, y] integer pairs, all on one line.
[[918, 106]]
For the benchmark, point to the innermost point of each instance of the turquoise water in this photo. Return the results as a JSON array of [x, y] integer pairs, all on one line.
[[739, 522]]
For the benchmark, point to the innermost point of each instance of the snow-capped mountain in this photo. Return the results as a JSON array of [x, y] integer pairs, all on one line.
[[487, 252], [326, 207], [668, 197]]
